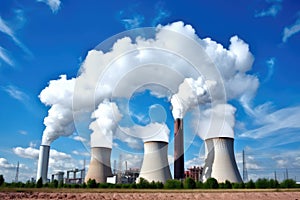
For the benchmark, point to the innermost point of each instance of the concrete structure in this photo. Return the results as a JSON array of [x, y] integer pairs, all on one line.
[[42, 170], [75, 179], [59, 176], [178, 150], [220, 161], [194, 173], [100, 167], [155, 165]]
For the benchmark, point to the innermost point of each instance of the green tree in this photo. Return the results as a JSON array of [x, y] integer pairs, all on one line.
[[273, 183], [91, 183], [288, 183], [39, 183], [173, 184], [227, 185], [250, 185], [211, 183], [189, 183], [143, 183], [199, 185], [262, 183], [1, 179]]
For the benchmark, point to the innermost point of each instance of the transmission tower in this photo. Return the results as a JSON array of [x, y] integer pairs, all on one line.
[[17, 173], [245, 173]]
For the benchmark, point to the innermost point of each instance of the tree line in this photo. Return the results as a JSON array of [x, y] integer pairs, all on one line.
[[188, 183]]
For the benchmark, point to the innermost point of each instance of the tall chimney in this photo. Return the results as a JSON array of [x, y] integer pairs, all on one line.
[[42, 170], [178, 149]]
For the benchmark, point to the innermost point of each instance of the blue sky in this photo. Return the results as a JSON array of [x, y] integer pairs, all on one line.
[[40, 40]]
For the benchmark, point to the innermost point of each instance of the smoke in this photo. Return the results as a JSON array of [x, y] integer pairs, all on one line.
[[106, 120], [130, 61], [59, 122], [217, 121], [151, 132], [190, 94]]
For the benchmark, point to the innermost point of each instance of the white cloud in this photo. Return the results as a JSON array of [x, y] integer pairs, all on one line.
[[291, 30], [79, 138], [161, 13], [270, 64], [272, 11], [53, 4], [274, 122], [4, 164], [134, 22], [22, 132], [28, 152], [80, 153], [16, 93], [5, 28], [5, 57]]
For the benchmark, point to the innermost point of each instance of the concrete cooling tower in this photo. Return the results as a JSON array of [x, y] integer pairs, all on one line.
[[178, 150], [220, 161], [155, 165], [42, 170], [100, 167]]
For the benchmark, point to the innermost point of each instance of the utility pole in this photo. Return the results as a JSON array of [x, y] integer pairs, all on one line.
[[275, 175], [287, 173], [17, 173]]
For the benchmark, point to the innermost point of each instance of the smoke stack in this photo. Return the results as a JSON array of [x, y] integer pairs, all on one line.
[[178, 150], [155, 165], [100, 167], [220, 161], [42, 170]]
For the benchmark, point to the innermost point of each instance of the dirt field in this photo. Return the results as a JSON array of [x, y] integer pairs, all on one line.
[[164, 195]]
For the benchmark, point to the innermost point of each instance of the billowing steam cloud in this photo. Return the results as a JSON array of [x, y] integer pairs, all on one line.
[[135, 61], [59, 122], [190, 94], [106, 120], [151, 132]]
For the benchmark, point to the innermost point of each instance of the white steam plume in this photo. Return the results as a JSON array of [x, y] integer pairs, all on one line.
[[119, 73], [151, 132], [106, 121], [59, 122], [190, 94]]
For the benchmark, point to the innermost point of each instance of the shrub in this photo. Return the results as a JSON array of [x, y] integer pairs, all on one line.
[[273, 183], [39, 183], [238, 185], [250, 185], [288, 183], [189, 183], [199, 185], [143, 184], [262, 183], [1, 179], [173, 184], [211, 183], [91, 183]]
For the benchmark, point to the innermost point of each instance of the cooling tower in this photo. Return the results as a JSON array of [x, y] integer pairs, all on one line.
[[100, 167], [155, 165], [42, 170], [178, 150], [220, 160]]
